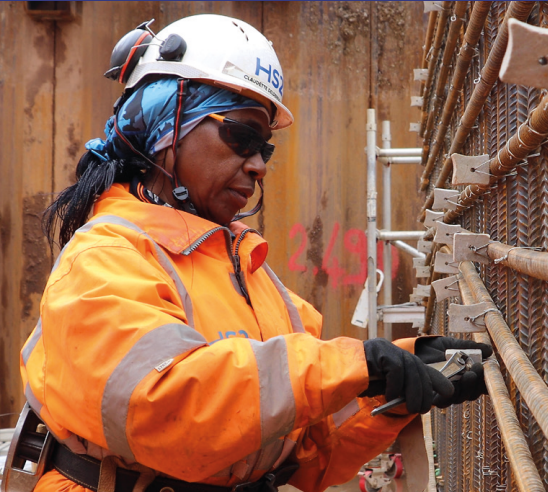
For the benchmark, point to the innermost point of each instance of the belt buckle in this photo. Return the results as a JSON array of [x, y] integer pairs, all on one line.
[[264, 484]]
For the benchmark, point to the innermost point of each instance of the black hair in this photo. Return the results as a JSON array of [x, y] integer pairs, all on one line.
[[73, 205]]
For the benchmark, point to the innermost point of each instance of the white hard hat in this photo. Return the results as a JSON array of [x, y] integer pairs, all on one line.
[[224, 51]]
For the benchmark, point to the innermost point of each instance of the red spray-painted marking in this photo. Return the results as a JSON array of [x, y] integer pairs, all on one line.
[[354, 242]]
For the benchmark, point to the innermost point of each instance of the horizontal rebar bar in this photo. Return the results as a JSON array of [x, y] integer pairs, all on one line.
[[529, 383], [527, 261], [466, 53], [488, 77], [517, 449], [528, 137]]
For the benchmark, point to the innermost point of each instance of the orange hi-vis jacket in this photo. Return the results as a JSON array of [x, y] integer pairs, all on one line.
[[167, 342]]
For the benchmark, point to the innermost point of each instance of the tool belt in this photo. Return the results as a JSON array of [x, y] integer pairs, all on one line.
[[85, 471]]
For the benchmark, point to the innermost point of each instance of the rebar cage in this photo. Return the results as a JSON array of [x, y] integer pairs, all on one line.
[[468, 110]]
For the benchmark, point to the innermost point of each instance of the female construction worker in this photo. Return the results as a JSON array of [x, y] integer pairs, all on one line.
[[168, 355]]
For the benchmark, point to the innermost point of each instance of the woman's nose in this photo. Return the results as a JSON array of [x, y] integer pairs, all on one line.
[[255, 166]]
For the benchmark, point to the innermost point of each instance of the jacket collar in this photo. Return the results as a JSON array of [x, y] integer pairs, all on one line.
[[173, 229]]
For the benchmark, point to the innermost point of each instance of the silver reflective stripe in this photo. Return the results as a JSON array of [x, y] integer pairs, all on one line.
[[162, 343], [269, 455], [85, 228], [31, 343], [33, 401], [340, 417], [294, 317], [278, 410]]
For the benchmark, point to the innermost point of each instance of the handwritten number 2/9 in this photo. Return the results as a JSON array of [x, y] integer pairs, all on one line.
[[354, 241]]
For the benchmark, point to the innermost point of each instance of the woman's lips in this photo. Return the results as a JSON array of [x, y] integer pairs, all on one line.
[[240, 197]]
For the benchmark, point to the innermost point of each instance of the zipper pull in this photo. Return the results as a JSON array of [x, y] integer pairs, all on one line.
[[237, 267]]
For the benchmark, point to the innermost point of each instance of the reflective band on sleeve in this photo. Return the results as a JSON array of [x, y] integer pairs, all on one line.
[[278, 410], [294, 317], [33, 401], [164, 342], [32, 341], [340, 417]]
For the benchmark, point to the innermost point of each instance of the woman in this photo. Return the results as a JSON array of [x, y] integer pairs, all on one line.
[[166, 345]]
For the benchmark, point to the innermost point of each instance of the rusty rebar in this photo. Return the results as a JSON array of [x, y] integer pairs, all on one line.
[[488, 77], [466, 53], [440, 32], [521, 460], [433, 17], [526, 261], [528, 381], [528, 137], [448, 52]]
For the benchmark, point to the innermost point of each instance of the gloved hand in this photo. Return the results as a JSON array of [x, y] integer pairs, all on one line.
[[468, 388], [432, 349], [401, 373], [472, 384]]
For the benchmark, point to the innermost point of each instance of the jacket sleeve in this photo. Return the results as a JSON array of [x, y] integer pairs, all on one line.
[[116, 364], [332, 451]]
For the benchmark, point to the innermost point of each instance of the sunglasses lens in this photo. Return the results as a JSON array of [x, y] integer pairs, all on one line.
[[245, 141]]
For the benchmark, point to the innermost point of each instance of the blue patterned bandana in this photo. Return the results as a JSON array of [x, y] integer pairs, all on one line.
[[146, 118]]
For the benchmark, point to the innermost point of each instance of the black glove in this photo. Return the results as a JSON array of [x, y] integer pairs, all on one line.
[[432, 349], [401, 373], [468, 388], [472, 383]]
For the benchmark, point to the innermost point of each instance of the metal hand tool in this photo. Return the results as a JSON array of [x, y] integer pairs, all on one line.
[[452, 369]]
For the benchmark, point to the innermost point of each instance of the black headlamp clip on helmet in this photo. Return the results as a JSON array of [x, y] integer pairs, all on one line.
[[133, 45]]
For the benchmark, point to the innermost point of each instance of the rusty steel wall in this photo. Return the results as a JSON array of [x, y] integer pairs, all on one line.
[[338, 59], [470, 455]]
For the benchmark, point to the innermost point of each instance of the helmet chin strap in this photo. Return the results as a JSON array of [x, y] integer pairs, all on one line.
[[180, 192]]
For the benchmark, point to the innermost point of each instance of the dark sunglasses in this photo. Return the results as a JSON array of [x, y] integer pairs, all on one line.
[[242, 139]]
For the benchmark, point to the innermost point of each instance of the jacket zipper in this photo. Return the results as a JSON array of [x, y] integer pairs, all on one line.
[[237, 266], [234, 258]]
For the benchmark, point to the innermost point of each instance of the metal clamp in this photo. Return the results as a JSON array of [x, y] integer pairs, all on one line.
[[445, 233], [470, 318], [414, 127], [420, 74], [424, 246], [468, 170], [432, 218], [446, 287], [444, 263], [445, 199], [471, 247]]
